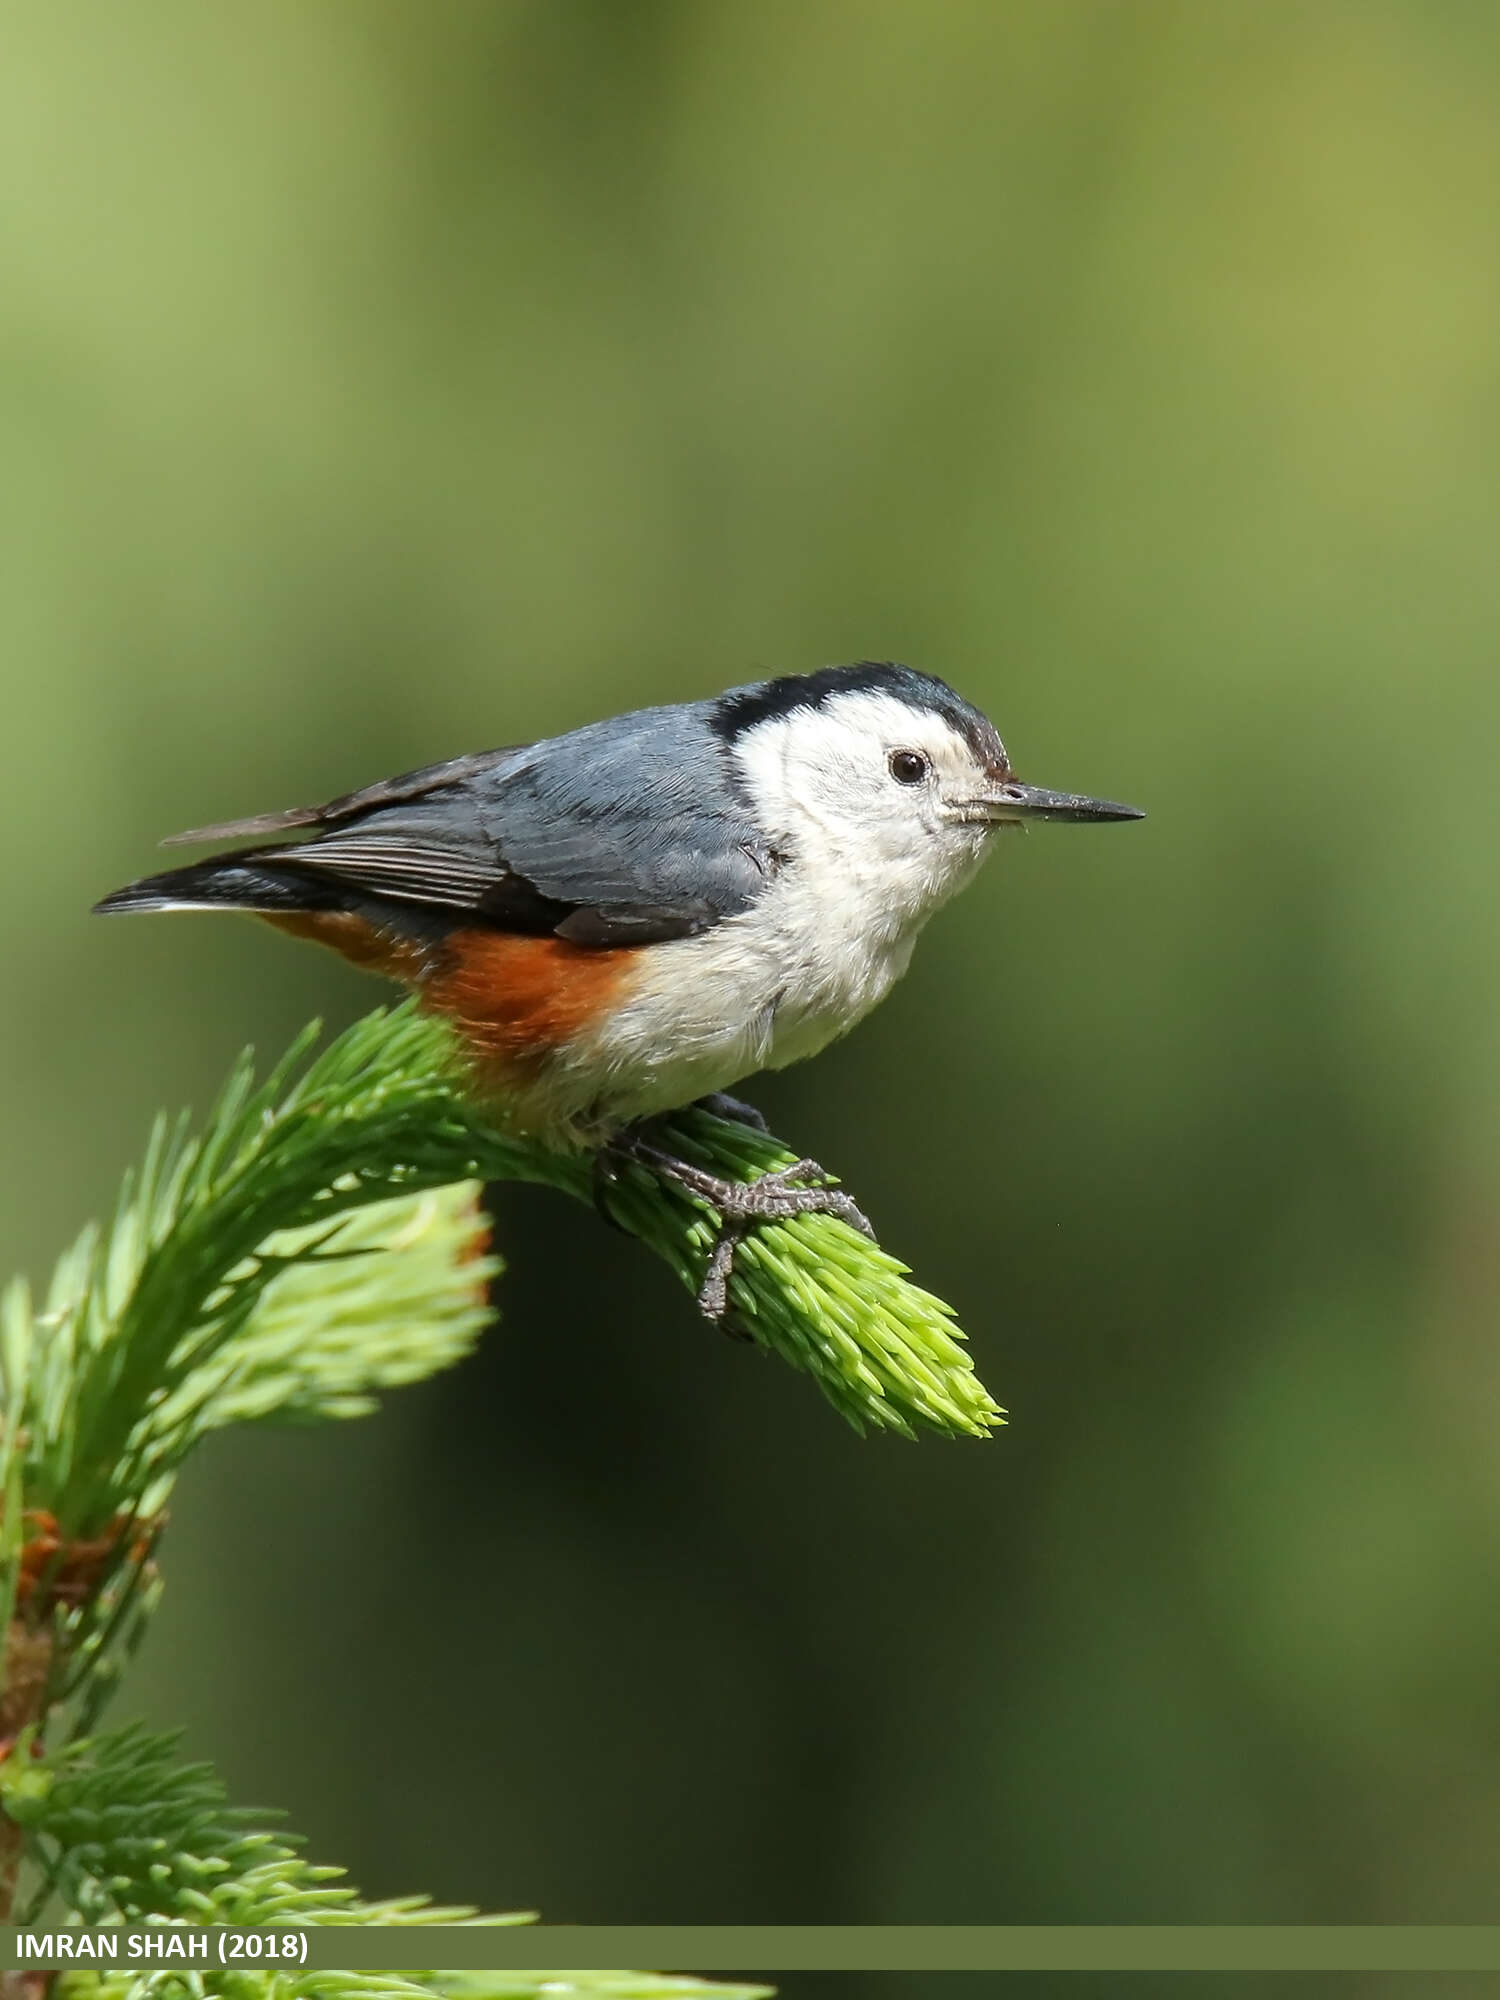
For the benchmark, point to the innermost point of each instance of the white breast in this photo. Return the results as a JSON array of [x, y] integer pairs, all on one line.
[[758, 992]]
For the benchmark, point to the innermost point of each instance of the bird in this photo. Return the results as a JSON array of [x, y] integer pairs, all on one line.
[[636, 915]]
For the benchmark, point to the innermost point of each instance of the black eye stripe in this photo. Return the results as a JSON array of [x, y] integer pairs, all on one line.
[[907, 767]]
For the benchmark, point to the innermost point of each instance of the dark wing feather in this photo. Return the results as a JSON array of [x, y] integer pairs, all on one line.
[[639, 923], [353, 805], [386, 865]]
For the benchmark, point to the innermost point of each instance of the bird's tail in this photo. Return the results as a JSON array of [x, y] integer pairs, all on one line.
[[232, 882]]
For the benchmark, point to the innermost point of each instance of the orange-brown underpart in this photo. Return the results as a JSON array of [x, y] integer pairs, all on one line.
[[517, 999], [351, 937], [513, 999]]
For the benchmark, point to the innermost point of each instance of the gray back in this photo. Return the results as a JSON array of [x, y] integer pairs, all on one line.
[[641, 809]]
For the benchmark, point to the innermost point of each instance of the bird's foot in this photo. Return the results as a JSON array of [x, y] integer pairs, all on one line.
[[775, 1197], [721, 1105]]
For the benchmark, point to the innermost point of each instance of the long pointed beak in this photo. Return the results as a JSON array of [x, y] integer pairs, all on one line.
[[1010, 801]]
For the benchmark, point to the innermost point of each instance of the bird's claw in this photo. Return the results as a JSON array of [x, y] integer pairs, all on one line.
[[775, 1197]]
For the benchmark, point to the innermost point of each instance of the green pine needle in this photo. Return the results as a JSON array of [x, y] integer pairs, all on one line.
[[123, 1833], [886, 1354], [226, 1284]]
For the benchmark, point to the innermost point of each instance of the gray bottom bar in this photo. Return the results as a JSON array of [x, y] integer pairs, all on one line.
[[764, 1951]]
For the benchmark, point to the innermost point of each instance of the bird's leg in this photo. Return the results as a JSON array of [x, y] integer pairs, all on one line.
[[721, 1105], [775, 1197]]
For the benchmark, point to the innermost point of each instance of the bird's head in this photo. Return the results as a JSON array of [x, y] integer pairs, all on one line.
[[885, 771]]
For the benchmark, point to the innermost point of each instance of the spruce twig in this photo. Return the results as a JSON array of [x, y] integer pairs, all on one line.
[[320, 1239]]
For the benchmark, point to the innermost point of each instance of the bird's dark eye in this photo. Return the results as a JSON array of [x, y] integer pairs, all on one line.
[[908, 767]]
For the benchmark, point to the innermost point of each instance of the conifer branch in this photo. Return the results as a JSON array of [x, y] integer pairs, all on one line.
[[321, 1239], [123, 1833]]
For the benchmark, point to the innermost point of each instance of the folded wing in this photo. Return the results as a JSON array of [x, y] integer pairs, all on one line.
[[626, 832]]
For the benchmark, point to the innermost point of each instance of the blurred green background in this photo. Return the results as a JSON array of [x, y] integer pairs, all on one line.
[[383, 382]]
